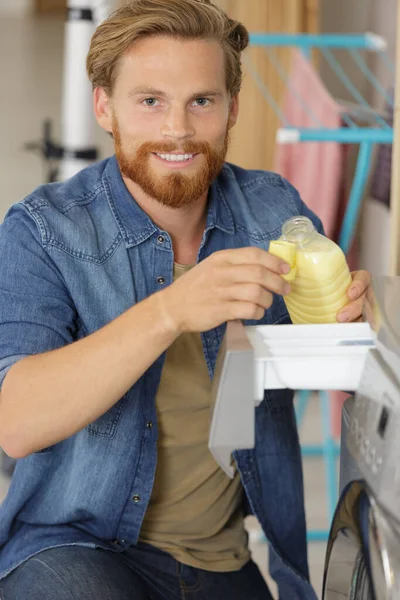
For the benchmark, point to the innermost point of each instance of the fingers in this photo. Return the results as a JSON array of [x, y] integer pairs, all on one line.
[[255, 256], [250, 292], [359, 285], [351, 312], [245, 310], [258, 275]]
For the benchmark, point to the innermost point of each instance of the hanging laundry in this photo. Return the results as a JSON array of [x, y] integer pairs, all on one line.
[[316, 169]]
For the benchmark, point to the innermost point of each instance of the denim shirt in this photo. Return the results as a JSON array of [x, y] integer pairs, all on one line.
[[77, 254]]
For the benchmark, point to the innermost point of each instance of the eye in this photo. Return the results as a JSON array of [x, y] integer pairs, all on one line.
[[150, 102], [203, 101]]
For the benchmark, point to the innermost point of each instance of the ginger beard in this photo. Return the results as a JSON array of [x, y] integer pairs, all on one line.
[[174, 189]]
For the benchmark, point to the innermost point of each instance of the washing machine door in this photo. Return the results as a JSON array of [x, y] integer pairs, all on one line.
[[347, 574], [363, 554], [384, 553]]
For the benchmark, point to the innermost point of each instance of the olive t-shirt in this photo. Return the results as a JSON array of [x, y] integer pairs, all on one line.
[[195, 511]]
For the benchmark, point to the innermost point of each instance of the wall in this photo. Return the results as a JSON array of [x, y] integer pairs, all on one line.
[[354, 16], [375, 224], [344, 16], [383, 21], [16, 7]]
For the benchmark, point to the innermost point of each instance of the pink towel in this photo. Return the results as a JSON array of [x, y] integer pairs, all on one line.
[[316, 169]]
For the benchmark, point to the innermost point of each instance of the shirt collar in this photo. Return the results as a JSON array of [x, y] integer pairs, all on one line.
[[135, 224]]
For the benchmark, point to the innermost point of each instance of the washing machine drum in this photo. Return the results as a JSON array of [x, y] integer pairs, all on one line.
[[363, 553]]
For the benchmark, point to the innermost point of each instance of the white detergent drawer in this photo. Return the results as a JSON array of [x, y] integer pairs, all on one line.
[[254, 359], [309, 357]]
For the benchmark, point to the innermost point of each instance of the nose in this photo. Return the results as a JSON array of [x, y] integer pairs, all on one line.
[[177, 125]]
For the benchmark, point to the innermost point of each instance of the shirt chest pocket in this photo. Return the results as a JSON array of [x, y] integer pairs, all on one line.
[[107, 425]]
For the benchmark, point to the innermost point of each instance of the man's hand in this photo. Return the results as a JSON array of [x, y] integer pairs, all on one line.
[[228, 285], [357, 292]]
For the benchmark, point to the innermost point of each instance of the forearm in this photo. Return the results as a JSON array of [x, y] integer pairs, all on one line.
[[48, 397]]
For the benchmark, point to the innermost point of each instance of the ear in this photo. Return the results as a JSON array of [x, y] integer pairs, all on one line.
[[233, 111], [102, 109]]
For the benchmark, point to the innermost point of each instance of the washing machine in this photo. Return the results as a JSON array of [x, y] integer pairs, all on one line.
[[363, 552]]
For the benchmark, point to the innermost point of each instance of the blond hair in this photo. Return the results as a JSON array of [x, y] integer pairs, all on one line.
[[181, 19]]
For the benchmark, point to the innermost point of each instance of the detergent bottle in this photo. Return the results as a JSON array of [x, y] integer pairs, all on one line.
[[319, 275]]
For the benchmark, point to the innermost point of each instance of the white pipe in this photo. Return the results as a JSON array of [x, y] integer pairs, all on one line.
[[78, 125], [101, 10]]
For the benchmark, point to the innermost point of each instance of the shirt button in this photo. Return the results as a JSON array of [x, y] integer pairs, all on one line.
[[149, 424], [161, 280], [161, 239], [136, 498]]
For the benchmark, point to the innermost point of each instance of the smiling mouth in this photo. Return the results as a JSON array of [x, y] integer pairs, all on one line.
[[175, 158]]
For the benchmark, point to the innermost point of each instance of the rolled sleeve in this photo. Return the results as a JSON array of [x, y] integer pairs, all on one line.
[[36, 311]]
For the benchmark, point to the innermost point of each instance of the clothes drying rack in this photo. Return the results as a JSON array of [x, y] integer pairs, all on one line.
[[364, 126]]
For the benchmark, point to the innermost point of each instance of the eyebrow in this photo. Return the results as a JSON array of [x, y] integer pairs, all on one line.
[[154, 92]]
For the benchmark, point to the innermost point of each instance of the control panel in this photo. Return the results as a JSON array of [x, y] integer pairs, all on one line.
[[374, 434]]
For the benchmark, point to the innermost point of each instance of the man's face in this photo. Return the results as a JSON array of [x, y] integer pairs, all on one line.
[[170, 115]]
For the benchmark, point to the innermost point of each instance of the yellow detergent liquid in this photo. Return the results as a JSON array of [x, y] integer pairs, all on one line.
[[319, 275]]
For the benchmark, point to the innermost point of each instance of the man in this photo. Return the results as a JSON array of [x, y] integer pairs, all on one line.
[[116, 286]]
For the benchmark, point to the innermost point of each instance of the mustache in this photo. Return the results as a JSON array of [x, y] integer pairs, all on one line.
[[165, 148]]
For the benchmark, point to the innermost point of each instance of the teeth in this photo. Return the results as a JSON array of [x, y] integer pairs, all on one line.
[[175, 157]]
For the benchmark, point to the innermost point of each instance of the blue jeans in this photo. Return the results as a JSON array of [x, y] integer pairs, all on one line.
[[139, 573]]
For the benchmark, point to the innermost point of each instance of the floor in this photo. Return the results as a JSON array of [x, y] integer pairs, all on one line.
[[31, 53]]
